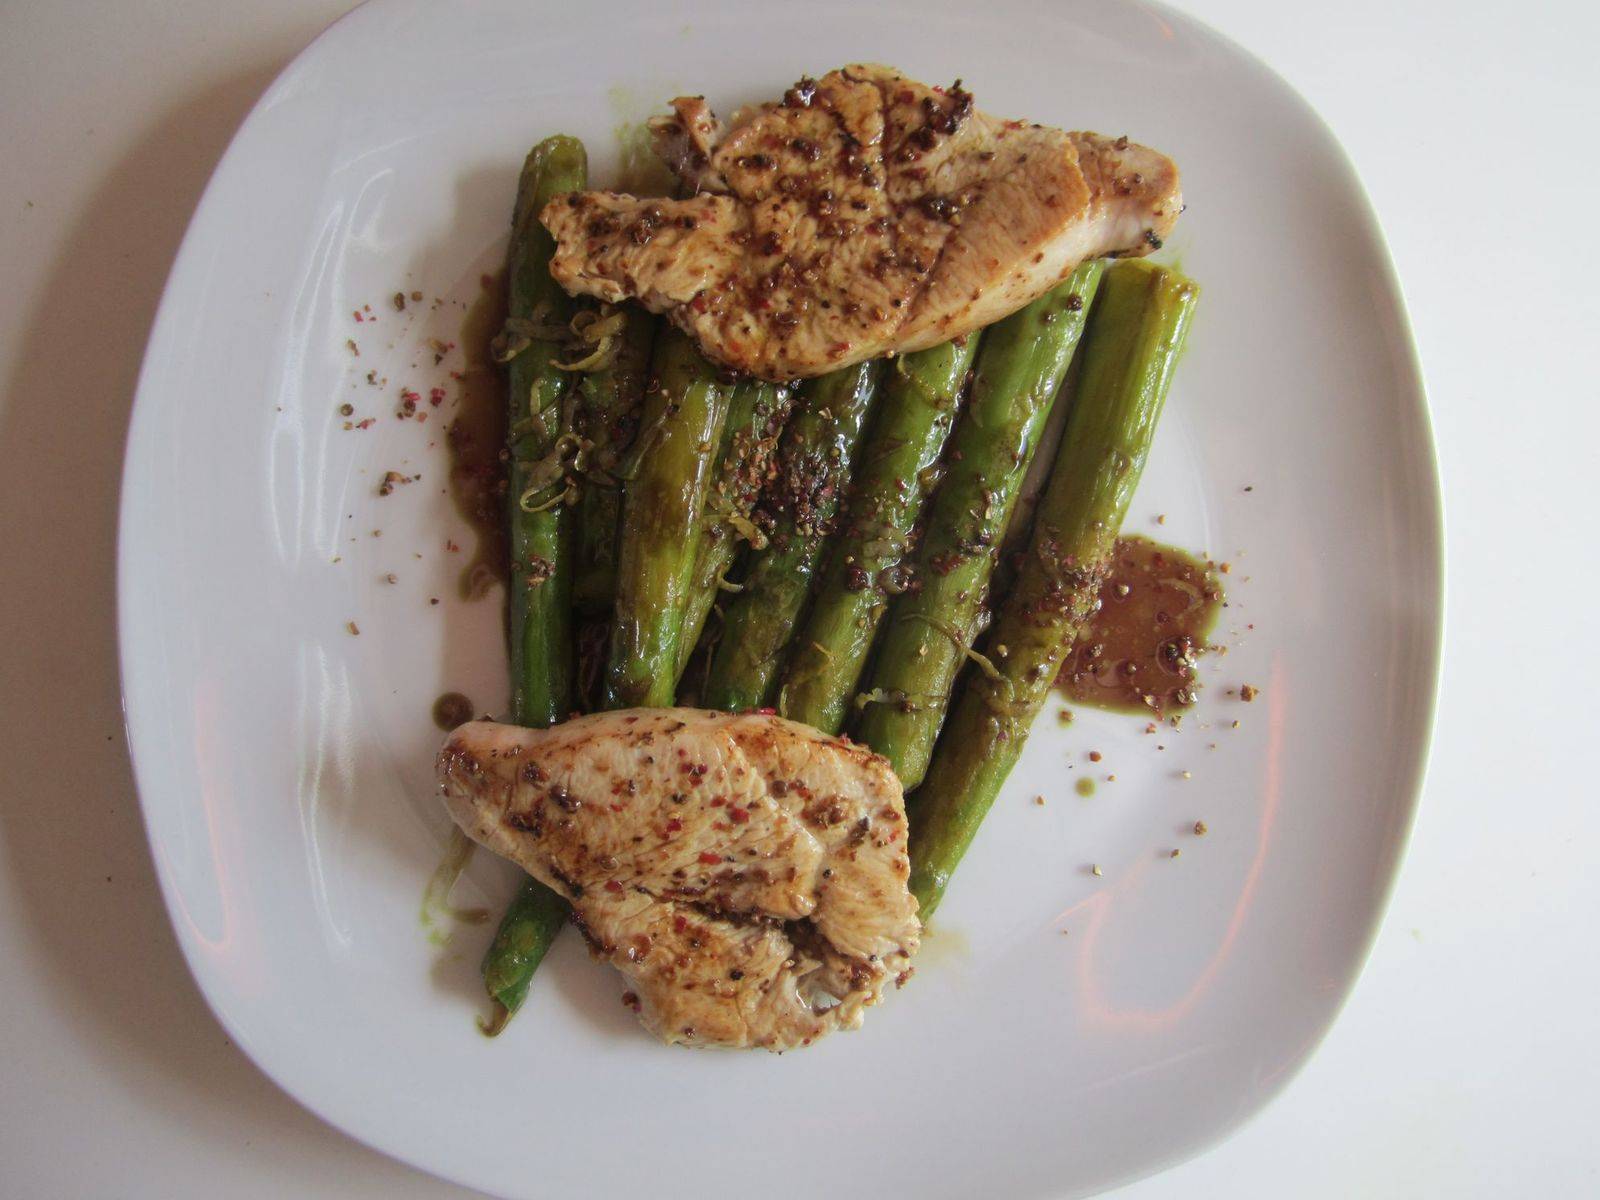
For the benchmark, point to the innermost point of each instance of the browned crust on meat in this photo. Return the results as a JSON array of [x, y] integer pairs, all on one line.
[[747, 874], [864, 213]]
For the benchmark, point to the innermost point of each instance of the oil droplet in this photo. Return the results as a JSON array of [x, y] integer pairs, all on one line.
[[941, 944], [450, 710], [640, 170], [1084, 786]]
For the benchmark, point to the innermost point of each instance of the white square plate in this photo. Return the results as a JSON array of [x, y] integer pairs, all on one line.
[[285, 765]]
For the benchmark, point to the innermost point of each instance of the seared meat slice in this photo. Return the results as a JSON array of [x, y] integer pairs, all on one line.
[[745, 873], [864, 213]]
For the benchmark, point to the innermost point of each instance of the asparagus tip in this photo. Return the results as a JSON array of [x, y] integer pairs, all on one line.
[[499, 1017]]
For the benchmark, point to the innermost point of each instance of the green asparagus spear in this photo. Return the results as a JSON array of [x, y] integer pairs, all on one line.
[[529, 926], [815, 458], [540, 618], [756, 415], [898, 463], [1135, 337], [539, 443], [930, 629], [663, 499], [608, 413]]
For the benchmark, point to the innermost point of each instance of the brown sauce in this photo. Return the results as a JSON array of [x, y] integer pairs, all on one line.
[[450, 710], [475, 436], [1138, 653]]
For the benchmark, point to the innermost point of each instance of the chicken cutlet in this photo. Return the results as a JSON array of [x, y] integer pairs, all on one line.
[[864, 213], [746, 874]]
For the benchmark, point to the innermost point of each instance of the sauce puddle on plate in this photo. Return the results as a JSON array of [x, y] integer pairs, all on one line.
[[1138, 653]]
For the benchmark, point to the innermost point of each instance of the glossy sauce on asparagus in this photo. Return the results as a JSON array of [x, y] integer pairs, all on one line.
[[866, 569], [1021, 363], [799, 512]]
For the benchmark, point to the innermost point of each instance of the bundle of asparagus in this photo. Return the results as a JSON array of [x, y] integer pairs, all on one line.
[[1138, 330], [818, 452], [933, 628]]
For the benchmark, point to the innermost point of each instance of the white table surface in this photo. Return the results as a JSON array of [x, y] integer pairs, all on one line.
[[1468, 1061]]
